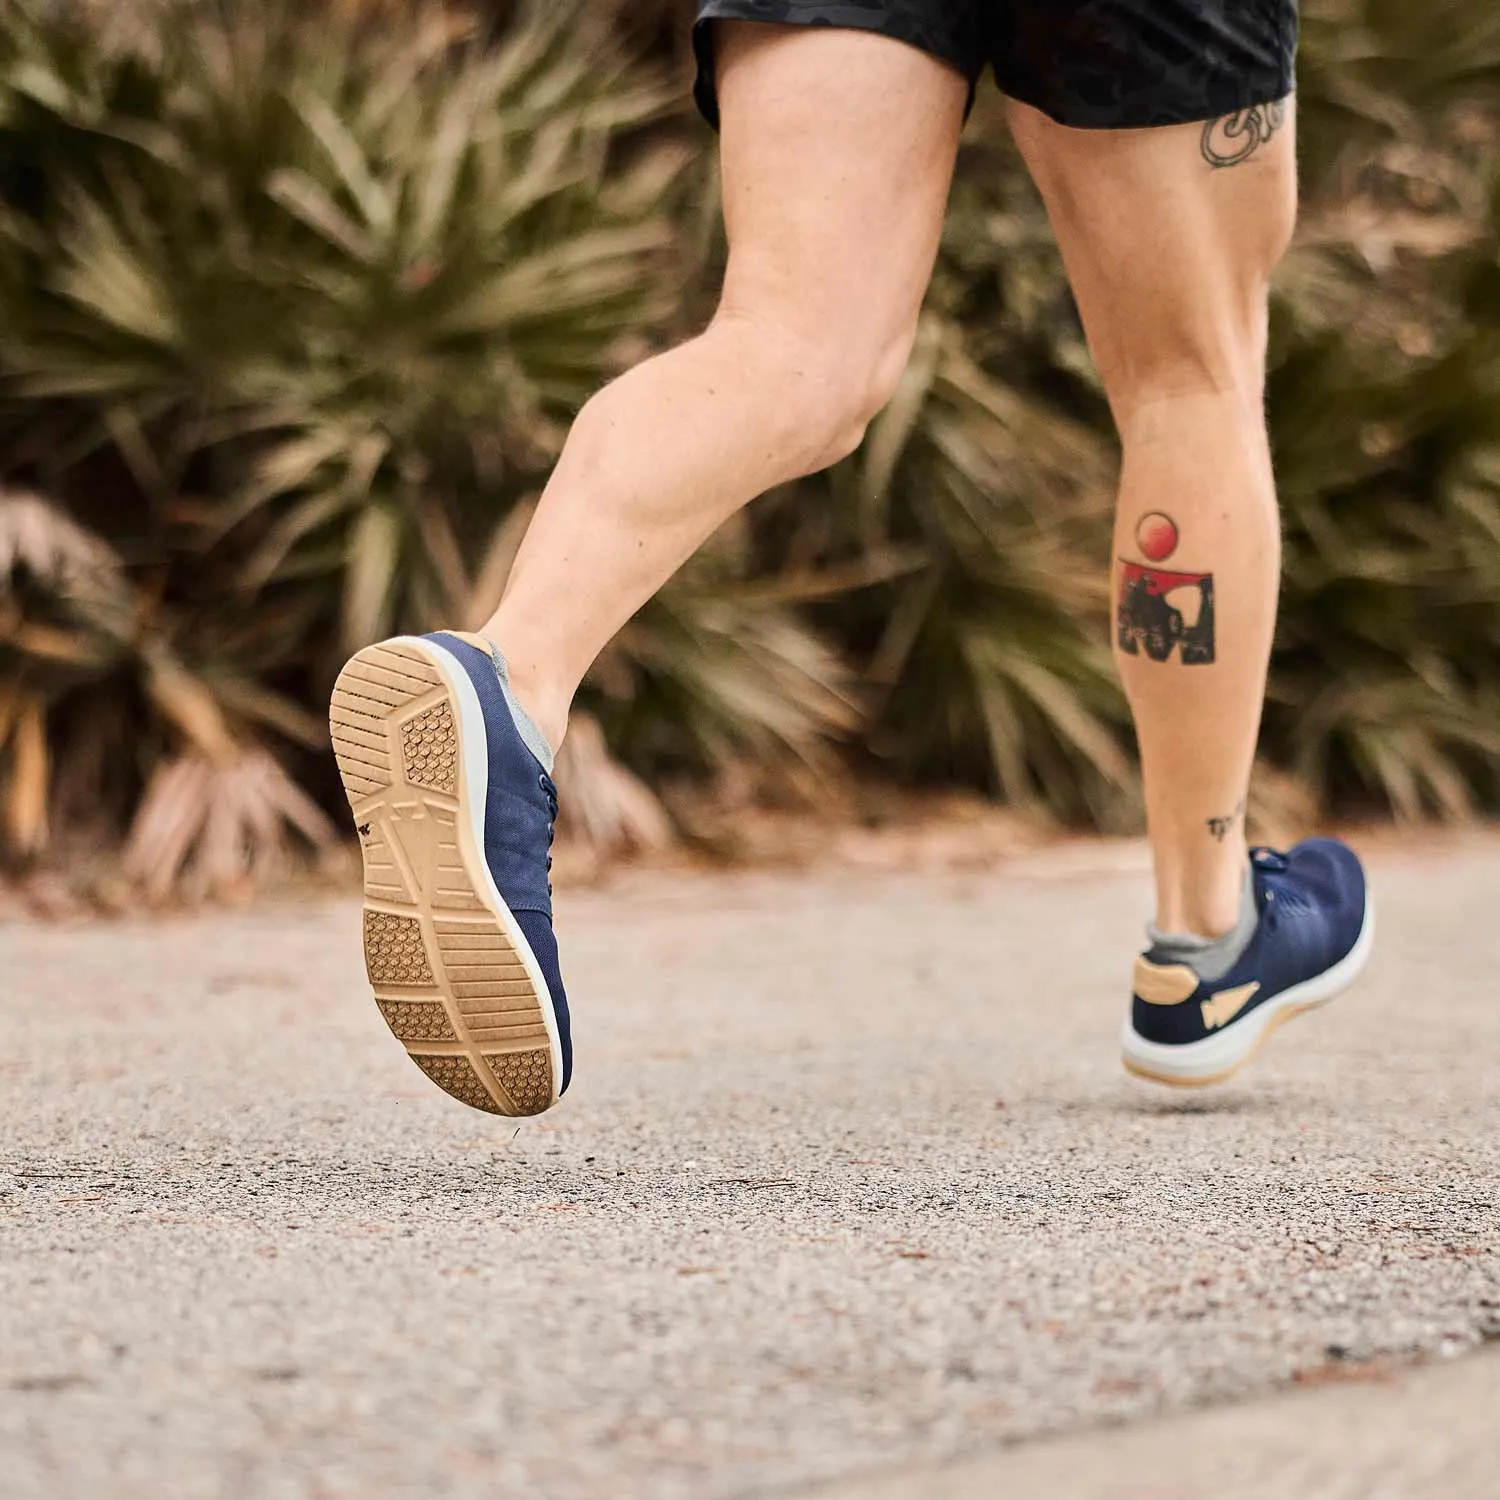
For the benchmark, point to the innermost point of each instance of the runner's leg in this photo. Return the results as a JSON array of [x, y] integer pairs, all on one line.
[[837, 152], [1170, 236]]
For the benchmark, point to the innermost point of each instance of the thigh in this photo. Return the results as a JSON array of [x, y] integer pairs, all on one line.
[[1170, 236], [837, 152]]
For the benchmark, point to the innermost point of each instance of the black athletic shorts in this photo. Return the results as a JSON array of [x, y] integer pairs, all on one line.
[[1097, 64]]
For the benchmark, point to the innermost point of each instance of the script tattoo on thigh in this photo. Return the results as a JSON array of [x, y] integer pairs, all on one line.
[[1159, 611], [1220, 827], [1236, 137]]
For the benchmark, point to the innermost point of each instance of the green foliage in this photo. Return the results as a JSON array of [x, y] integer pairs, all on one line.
[[341, 286], [297, 315]]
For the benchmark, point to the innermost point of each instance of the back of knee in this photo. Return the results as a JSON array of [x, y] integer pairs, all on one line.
[[1190, 346], [830, 380], [862, 377], [1193, 317]]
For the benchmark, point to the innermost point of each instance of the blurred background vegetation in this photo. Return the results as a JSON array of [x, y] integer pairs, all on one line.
[[297, 303]]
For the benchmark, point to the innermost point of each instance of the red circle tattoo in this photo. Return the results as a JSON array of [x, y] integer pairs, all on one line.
[[1156, 536]]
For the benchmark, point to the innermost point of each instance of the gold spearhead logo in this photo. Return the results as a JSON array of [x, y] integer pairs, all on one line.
[[1227, 1004]]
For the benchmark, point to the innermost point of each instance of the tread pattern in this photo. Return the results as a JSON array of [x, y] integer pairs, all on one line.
[[489, 984], [456, 1076], [382, 876], [526, 1078], [393, 950], [376, 680], [429, 745], [442, 965], [417, 1020], [452, 888]]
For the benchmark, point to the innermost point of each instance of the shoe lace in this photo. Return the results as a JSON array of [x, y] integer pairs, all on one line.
[[549, 790]]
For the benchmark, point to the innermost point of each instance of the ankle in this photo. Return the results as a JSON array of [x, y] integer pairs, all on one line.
[[546, 703], [1206, 903], [534, 682], [1210, 954], [1197, 918], [550, 716]]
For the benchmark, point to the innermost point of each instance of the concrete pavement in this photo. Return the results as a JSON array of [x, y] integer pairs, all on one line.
[[1372, 1432], [850, 1184]]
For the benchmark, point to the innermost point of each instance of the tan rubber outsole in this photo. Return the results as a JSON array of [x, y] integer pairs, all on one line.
[[447, 977]]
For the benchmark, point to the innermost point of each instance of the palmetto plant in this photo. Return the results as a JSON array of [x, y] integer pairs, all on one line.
[[65, 610], [1387, 415], [293, 316], [344, 299]]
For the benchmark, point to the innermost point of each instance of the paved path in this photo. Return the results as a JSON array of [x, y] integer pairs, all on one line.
[[1429, 1432], [851, 1183]]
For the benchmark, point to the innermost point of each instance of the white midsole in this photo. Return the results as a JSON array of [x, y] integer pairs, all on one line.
[[474, 746], [1214, 1055]]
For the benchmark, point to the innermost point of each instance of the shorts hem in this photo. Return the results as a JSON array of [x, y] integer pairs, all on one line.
[[705, 84], [1151, 114]]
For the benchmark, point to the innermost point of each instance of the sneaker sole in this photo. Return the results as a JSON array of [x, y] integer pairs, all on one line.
[[453, 975], [1215, 1058]]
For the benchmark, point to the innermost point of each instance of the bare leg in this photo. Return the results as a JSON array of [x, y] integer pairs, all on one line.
[[1170, 256], [838, 150]]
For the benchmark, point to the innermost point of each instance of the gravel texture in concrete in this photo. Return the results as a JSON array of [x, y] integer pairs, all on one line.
[[850, 1180]]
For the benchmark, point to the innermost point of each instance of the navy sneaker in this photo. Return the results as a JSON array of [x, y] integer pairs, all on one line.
[[1314, 936], [455, 815]]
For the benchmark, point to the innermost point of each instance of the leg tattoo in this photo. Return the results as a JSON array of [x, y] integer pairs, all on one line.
[[1160, 610], [1234, 138], [1220, 827]]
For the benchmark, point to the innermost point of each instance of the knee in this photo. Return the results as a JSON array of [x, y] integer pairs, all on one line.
[[852, 387], [829, 380]]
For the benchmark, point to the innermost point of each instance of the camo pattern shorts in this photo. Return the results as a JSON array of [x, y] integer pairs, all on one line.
[[1095, 64]]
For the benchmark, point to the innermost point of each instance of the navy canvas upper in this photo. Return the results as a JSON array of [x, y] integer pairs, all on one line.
[[1311, 905], [520, 812]]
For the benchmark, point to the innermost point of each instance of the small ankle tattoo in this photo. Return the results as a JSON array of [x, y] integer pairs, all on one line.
[[1220, 827]]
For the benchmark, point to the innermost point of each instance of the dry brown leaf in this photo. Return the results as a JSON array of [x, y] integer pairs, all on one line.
[[207, 828], [26, 804], [166, 823], [190, 706]]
